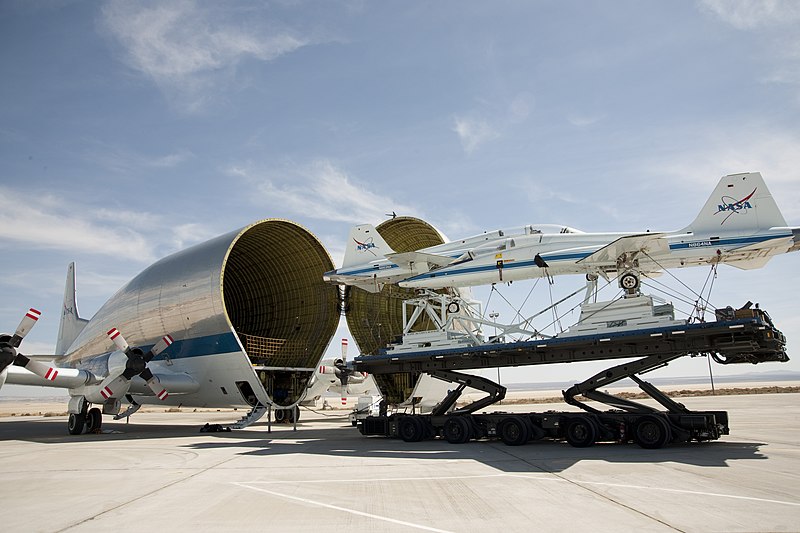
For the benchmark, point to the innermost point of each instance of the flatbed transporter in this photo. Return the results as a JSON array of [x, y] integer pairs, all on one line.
[[742, 336]]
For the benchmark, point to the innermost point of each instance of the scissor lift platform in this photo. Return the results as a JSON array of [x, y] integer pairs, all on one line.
[[744, 336]]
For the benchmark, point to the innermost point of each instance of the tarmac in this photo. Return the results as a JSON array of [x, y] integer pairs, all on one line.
[[159, 472]]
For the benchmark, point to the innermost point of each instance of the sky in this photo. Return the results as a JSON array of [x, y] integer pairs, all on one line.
[[131, 130]]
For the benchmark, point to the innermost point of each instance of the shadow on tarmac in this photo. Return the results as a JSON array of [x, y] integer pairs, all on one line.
[[339, 439]]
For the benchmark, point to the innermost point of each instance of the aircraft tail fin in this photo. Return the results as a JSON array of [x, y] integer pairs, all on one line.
[[740, 203], [363, 245], [71, 324]]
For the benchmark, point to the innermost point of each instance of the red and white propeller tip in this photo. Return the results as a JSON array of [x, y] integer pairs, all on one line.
[[25, 325], [118, 339], [344, 349], [160, 346]]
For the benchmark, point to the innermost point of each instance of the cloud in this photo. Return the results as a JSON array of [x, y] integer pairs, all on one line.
[[119, 159], [47, 222], [744, 148], [187, 49], [473, 133], [777, 21], [320, 190], [751, 14]]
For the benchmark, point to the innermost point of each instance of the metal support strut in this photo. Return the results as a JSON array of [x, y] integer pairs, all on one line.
[[496, 392], [589, 387]]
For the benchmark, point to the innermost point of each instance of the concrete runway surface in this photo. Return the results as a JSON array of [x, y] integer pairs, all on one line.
[[160, 473]]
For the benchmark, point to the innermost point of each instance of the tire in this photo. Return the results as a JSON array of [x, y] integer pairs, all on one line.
[[76, 423], [457, 430], [629, 281], [652, 432], [292, 415], [94, 420], [410, 429], [580, 432], [514, 431]]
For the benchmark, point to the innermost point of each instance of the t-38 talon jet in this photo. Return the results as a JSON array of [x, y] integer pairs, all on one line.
[[236, 321], [740, 225]]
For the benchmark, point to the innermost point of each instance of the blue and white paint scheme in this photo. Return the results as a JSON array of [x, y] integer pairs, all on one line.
[[739, 225]]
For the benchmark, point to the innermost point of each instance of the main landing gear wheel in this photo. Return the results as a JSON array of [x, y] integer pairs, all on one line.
[[94, 419], [629, 281], [581, 432], [76, 423], [652, 432], [287, 416]]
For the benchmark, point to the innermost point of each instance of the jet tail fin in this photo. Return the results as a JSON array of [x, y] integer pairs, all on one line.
[[71, 324], [363, 245], [740, 203]]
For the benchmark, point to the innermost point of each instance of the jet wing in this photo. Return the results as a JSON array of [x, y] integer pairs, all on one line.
[[652, 243], [408, 258]]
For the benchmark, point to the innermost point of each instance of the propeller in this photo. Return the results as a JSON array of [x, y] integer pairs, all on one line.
[[116, 385], [10, 343], [342, 372]]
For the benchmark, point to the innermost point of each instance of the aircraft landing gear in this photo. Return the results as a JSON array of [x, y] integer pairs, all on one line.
[[94, 419], [629, 282], [76, 423]]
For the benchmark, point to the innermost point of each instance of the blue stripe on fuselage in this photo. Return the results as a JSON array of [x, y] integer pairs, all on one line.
[[576, 256]]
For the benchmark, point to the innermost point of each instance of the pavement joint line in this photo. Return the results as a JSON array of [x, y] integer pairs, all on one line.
[[142, 496], [679, 491], [342, 509], [558, 476]]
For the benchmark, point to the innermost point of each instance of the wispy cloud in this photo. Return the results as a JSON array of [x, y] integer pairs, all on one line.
[[187, 49], [751, 14], [477, 128], [778, 20], [473, 132], [119, 159], [744, 148], [322, 191], [45, 222]]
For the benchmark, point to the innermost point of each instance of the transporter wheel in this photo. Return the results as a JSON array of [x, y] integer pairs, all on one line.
[[652, 432], [94, 419], [280, 416], [411, 429], [514, 431], [76, 423], [292, 415], [457, 430], [580, 432]]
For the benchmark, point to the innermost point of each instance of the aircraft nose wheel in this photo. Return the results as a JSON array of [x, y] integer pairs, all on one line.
[[629, 281]]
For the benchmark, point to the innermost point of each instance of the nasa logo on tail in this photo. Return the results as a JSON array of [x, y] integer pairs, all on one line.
[[731, 206], [366, 246]]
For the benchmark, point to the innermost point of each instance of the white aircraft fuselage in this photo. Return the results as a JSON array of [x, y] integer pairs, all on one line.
[[739, 225]]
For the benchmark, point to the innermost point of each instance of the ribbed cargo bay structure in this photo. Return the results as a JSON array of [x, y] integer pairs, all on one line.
[[376, 319]]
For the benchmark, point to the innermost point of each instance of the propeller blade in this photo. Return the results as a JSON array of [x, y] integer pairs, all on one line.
[[28, 321], [114, 386], [118, 339], [40, 369], [159, 347], [344, 350], [155, 386]]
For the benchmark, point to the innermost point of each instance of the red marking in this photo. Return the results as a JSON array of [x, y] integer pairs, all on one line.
[[51, 374], [344, 341], [747, 197], [113, 333], [33, 314], [163, 394], [106, 393], [168, 340]]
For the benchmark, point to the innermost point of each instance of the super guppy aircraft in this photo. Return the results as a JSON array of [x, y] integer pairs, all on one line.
[[740, 225]]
